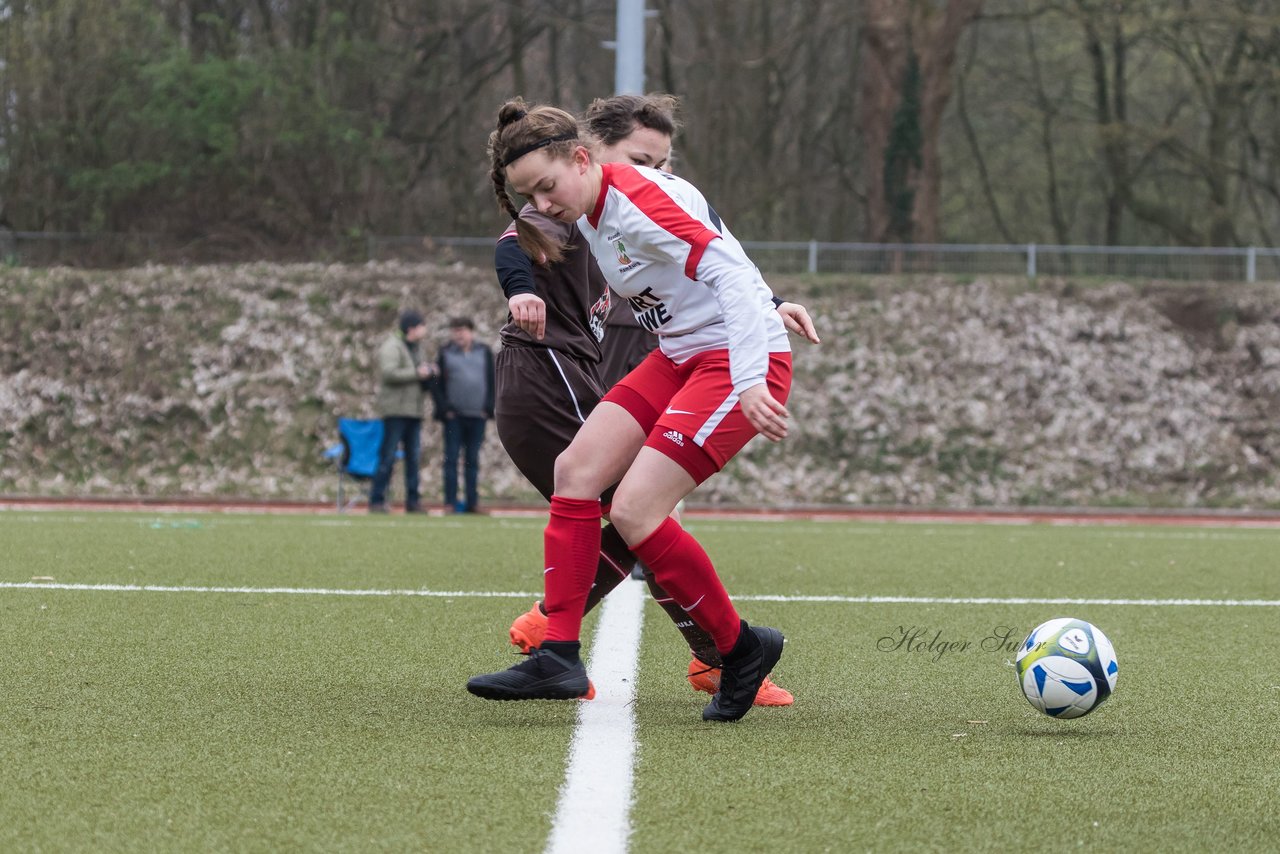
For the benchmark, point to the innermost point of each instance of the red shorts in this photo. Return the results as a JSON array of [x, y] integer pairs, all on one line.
[[691, 411]]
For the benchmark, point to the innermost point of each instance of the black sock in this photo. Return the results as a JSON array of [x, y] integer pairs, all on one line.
[[615, 564], [745, 645], [700, 642], [568, 650]]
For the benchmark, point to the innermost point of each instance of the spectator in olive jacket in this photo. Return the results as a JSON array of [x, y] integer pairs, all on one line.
[[403, 377]]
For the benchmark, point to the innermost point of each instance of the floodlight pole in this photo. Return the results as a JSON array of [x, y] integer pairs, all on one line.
[[628, 71]]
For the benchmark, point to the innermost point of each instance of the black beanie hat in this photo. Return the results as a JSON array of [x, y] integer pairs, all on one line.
[[410, 319]]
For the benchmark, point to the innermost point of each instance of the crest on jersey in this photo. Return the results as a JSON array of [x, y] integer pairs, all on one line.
[[622, 253], [597, 315]]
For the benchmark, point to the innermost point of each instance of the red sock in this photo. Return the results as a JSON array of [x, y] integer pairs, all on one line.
[[572, 547], [684, 570]]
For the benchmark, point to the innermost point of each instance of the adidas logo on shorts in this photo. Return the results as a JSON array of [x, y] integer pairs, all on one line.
[[675, 437]]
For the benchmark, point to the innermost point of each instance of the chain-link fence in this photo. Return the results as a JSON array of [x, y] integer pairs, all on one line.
[[473, 251], [1232, 264], [1244, 264], [69, 249], [1228, 264]]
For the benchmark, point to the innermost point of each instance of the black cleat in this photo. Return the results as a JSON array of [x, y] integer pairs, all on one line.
[[744, 669], [542, 676]]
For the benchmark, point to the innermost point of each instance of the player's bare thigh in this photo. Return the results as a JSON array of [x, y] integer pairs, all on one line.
[[600, 454], [649, 491]]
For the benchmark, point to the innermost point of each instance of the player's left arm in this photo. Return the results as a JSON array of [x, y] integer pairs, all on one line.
[[734, 279]]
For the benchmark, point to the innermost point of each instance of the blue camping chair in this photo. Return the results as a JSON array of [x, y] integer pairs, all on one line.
[[356, 454]]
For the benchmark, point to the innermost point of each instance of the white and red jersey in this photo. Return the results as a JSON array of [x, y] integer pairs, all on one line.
[[663, 249]]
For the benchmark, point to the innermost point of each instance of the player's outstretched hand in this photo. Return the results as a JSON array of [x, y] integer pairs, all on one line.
[[530, 314], [797, 320], [765, 414]]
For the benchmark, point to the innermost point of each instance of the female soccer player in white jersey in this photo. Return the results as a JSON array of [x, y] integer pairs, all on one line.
[[552, 368], [721, 375]]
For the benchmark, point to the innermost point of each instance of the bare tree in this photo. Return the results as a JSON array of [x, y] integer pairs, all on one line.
[[1177, 168], [971, 136], [907, 43], [770, 130]]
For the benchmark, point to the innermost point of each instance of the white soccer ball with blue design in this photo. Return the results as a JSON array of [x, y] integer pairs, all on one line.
[[1066, 668]]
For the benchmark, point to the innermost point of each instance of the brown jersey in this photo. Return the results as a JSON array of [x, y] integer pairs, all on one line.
[[573, 289]]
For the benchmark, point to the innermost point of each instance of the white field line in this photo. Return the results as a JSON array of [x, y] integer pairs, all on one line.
[[515, 594], [1014, 600], [593, 815], [287, 591]]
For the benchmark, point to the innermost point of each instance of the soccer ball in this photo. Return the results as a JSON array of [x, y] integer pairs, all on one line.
[[1066, 668]]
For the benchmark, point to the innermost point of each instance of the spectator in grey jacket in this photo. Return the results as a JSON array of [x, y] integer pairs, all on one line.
[[403, 377], [463, 402]]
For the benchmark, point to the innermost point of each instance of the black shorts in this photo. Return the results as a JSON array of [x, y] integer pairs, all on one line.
[[543, 398]]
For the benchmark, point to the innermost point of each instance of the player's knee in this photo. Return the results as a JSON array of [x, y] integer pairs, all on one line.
[[622, 515], [574, 476], [634, 520]]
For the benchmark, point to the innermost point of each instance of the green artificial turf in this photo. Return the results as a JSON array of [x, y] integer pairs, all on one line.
[[930, 746], [142, 721]]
